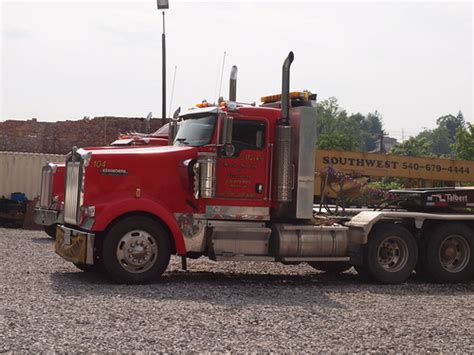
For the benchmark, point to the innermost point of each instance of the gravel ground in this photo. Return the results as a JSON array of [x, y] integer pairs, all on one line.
[[46, 304]]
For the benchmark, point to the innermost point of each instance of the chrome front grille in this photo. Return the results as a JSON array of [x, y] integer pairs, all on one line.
[[46, 190], [72, 197]]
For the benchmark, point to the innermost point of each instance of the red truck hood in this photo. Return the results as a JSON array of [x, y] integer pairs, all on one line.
[[159, 172], [143, 150]]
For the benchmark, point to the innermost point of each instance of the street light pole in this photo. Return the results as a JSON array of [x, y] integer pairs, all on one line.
[[163, 73], [162, 5]]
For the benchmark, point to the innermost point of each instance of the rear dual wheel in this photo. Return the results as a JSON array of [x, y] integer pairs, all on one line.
[[447, 255], [390, 254]]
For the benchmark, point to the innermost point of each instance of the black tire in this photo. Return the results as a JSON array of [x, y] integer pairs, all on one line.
[[136, 250], [335, 267], [88, 268], [390, 254], [51, 230], [448, 254]]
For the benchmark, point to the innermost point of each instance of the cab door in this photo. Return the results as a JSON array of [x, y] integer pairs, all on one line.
[[242, 166]]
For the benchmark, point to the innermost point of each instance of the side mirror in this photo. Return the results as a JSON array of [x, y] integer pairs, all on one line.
[[228, 148], [227, 126], [173, 126], [148, 118], [176, 113]]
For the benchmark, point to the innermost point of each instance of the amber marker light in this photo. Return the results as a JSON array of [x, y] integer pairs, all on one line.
[[138, 192]]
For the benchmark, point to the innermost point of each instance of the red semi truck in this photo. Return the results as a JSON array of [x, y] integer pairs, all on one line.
[[52, 178], [237, 185]]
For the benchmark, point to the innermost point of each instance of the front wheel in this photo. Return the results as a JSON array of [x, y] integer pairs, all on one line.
[[136, 250], [390, 254], [448, 254]]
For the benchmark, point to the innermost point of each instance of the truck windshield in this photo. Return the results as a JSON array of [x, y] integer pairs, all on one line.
[[196, 130]]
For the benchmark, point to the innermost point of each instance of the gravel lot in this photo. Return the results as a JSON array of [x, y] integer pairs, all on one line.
[[49, 305]]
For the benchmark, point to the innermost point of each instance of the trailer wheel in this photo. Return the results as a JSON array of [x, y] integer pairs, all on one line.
[[448, 254], [390, 254], [51, 230], [330, 267], [136, 250]]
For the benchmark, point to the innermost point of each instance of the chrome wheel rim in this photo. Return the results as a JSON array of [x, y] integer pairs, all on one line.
[[454, 253], [137, 251], [392, 254]]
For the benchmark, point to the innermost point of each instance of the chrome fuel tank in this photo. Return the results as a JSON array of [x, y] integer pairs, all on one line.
[[309, 240]]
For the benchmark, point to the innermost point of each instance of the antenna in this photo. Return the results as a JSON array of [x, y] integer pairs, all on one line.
[[222, 74], [172, 89]]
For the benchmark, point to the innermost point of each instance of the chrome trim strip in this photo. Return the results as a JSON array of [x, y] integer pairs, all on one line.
[[46, 188], [238, 212], [72, 198]]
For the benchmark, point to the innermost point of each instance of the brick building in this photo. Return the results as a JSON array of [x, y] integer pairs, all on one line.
[[59, 137]]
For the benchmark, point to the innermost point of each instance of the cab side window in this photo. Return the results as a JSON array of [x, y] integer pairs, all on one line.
[[248, 135]]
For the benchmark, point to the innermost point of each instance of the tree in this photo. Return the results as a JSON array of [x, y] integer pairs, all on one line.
[[414, 146], [371, 128], [438, 139], [463, 146], [335, 130], [451, 123]]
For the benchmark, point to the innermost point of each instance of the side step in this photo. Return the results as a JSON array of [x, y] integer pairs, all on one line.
[[231, 240]]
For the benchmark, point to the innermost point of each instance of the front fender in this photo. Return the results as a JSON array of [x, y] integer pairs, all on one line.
[[111, 211]]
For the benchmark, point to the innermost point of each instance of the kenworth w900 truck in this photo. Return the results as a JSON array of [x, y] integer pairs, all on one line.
[[237, 185]]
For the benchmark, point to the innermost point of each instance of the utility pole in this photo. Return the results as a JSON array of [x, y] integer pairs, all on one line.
[[382, 145]]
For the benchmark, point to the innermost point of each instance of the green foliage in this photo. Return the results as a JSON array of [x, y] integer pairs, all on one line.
[[451, 123], [335, 130], [463, 145], [387, 184], [357, 132], [371, 128], [414, 146], [439, 141]]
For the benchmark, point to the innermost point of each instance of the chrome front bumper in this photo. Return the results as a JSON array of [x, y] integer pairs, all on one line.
[[75, 246], [45, 217]]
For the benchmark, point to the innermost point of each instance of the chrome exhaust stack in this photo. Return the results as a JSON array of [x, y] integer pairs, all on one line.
[[285, 90], [283, 173], [233, 84]]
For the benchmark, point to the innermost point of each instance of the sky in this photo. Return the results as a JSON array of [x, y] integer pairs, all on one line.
[[410, 61]]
